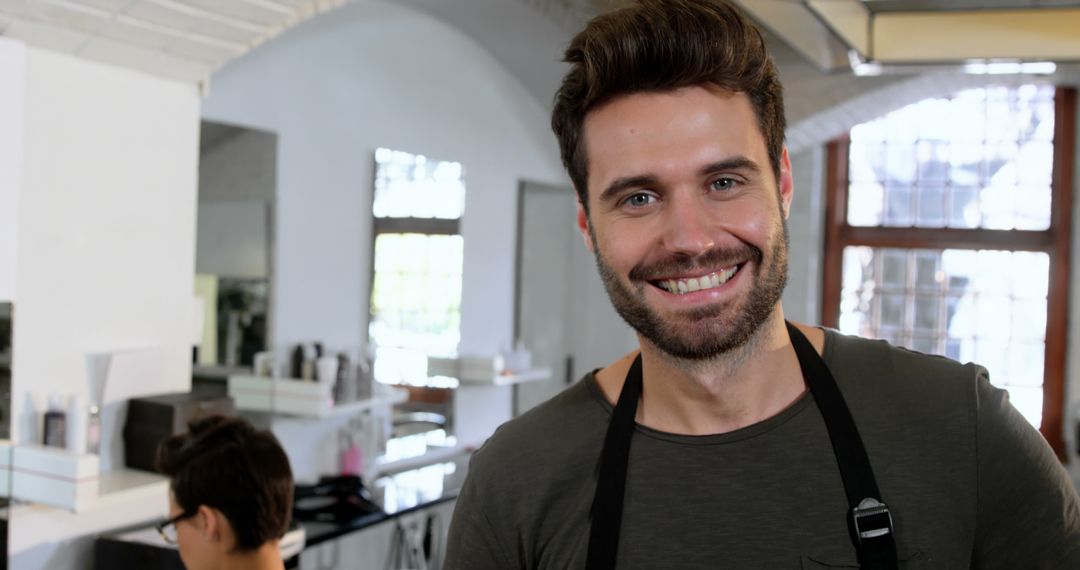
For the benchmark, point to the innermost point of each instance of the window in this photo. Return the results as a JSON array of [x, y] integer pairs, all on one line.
[[940, 236], [417, 263]]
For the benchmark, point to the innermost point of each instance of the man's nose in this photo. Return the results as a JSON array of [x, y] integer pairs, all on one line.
[[689, 228]]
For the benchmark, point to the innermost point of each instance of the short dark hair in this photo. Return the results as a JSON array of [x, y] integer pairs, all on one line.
[[658, 46], [227, 464]]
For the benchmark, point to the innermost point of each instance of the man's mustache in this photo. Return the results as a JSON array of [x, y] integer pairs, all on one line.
[[685, 265]]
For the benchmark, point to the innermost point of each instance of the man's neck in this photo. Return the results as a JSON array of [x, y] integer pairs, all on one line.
[[266, 557], [742, 387]]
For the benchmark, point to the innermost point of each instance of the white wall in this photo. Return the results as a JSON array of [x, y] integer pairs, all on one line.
[[802, 297], [105, 247], [12, 72], [368, 75]]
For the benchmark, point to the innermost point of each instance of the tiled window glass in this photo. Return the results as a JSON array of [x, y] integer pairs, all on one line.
[[981, 159], [978, 306], [418, 261], [413, 186]]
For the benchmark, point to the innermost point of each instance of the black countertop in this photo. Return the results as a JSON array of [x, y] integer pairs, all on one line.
[[399, 494]]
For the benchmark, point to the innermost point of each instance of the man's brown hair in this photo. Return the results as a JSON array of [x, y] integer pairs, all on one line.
[[663, 45], [227, 464]]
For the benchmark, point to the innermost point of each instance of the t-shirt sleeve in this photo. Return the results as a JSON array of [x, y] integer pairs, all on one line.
[[473, 543], [1028, 510]]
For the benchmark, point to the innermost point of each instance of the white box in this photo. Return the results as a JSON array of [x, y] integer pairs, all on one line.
[[281, 395], [467, 368], [54, 476]]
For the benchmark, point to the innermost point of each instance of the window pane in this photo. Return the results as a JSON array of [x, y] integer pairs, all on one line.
[[964, 207], [931, 209], [933, 165], [415, 302], [866, 204], [867, 162], [894, 268], [411, 186], [983, 306], [982, 159]]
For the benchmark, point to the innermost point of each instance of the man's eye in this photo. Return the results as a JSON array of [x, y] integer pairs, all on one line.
[[724, 184], [639, 199]]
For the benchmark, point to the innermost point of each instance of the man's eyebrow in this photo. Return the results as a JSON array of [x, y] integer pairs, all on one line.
[[625, 182], [646, 180], [733, 163]]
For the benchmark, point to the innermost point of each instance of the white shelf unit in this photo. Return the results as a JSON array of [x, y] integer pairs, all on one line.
[[519, 377], [302, 399]]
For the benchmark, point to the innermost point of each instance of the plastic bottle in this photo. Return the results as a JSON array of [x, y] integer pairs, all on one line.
[[93, 430], [77, 422], [54, 425]]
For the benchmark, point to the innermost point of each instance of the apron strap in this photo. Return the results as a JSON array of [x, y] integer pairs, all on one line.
[[870, 522], [611, 483]]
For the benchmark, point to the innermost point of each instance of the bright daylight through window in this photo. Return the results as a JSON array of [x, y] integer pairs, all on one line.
[[416, 285], [942, 237]]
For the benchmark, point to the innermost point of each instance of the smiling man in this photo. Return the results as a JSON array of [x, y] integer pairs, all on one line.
[[733, 438]]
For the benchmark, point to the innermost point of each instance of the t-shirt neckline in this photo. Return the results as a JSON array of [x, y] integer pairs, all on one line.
[[741, 434]]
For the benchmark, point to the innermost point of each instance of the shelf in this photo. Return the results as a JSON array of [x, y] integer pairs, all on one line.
[[394, 396], [434, 454], [125, 485], [126, 498], [520, 377], [300, 399]]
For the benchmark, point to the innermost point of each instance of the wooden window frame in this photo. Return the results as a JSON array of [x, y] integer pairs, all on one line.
[[1055, 241]]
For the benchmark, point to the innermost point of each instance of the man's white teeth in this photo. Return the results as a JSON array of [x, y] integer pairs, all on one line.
[[709, 281]]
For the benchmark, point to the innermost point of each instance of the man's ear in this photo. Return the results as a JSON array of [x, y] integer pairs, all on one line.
[[786, 183], [583, 226], [209, 522]]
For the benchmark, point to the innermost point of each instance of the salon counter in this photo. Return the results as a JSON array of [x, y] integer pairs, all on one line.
[[428, 492], [398, 495]]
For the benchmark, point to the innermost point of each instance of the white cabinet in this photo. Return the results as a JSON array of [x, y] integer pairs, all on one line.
[[371, 548]]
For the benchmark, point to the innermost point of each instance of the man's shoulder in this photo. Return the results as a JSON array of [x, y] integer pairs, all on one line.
[[892, 383], [558, 432], [876, 361]]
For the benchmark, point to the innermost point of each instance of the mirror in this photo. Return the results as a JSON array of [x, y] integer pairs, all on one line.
[[6, 332], [234, 250]]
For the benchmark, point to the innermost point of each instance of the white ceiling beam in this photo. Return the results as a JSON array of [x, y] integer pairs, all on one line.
[[850, 20], [1036, 34], [953, 36], [796, 25]]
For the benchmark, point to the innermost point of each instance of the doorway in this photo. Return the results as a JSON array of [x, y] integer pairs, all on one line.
[[562, 313]]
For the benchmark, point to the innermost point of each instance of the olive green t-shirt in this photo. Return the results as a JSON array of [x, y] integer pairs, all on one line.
[[969, 482]]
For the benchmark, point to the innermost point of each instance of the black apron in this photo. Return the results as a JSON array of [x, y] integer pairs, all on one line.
[[869, 521]]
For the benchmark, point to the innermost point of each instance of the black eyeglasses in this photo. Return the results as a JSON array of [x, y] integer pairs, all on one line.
[[167, 529]]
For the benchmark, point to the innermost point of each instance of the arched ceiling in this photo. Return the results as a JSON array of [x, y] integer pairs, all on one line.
[[189, 39]]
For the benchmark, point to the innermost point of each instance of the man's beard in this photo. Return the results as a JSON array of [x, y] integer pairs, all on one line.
[[707, 332]]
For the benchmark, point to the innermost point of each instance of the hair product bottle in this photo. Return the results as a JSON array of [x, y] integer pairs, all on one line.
[[54, 425]]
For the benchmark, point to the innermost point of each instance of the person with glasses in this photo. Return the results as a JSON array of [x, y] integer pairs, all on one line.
[[231, 495]]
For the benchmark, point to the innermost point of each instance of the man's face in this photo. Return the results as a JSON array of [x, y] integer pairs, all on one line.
[[686, 218]]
